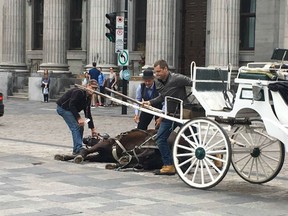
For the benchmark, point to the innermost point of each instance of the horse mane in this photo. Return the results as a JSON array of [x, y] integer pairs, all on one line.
[[150, 132]]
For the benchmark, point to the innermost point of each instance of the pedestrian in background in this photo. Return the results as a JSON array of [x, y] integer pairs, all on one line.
[[94, 74], [173, 85], [113, 83], [70, 105], [45, 82], [101, 83], [145, 92], [85, 80]]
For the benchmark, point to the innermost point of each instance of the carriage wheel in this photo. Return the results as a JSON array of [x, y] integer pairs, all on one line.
[[256, 156], [202, 153]]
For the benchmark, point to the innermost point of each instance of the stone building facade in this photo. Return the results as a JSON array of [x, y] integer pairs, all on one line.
[[66, 36]]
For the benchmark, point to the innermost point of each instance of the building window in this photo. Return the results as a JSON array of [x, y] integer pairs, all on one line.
[[140, 25], [75, 24], [247, 24], [38, 11]]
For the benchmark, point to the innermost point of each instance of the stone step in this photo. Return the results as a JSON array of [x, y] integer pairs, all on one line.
[[20, 97]]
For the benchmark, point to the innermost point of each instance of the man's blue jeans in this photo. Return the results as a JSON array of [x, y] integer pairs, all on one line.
[[163, 133], [76, 130]]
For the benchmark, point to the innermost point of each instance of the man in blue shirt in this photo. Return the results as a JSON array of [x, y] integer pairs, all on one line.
[[145, 92], [94, 72]]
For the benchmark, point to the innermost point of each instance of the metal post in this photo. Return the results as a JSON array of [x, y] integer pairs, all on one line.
[[124, 82]]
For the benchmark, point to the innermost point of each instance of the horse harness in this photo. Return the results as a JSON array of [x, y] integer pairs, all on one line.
[[128, 155]]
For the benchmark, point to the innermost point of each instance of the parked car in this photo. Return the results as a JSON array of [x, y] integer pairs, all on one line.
[[1, 105]]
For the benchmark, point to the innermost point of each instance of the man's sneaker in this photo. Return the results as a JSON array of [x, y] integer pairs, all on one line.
[[166, 170]]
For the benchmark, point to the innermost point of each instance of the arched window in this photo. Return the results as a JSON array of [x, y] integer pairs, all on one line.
[[247, 24]]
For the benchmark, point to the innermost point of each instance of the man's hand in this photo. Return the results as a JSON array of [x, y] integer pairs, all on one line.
[[136, 119], [157, 123], [94, 132], [146, 103], [81, 122]]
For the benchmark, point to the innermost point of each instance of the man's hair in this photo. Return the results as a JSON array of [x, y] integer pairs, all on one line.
[[162, 63], [93, 82], [94, 64]]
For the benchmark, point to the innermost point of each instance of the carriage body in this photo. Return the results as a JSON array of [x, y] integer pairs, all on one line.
[[254, 121]]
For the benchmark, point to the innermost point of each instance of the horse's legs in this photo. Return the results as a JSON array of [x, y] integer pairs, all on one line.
[[63, 157]]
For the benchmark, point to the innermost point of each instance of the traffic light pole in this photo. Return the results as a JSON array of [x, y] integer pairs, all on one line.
[[124, 81]]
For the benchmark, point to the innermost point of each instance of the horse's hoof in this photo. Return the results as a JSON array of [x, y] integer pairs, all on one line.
[[218, 163], [110, 166], [59, 157], [78, 159]]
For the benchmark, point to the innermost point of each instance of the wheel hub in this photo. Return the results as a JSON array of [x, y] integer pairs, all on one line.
[[256, 152], [200, 153]]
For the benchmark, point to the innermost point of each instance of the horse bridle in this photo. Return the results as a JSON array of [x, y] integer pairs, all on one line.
[[131, 153]]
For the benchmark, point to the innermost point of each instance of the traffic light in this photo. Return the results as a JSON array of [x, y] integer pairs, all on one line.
[[111, 26]]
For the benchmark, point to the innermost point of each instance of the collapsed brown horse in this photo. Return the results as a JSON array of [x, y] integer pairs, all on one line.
[[131, 149]]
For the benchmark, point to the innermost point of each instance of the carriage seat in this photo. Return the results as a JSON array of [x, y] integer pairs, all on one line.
[[209, 85], [257, 73]]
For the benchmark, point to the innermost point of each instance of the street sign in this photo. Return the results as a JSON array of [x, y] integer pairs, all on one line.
[[123, 58], [119, 41], [120, 22]]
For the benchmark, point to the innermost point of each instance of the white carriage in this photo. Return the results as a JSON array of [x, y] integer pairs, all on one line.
[[249, 129], [255, 122]]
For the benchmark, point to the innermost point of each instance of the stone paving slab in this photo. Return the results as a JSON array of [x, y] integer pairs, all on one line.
[[32, 183]]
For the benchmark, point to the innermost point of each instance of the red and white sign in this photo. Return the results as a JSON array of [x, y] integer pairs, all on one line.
[[119, 40], [120, 22]]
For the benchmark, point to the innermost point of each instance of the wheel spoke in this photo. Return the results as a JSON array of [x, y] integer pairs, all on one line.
[[208, 170], [192, 143], [191, 166], [194, 135], [245, 164], [186, 161], [262, 167], [251, 167]]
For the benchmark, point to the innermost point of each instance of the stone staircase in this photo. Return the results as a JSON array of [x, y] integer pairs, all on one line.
[[20, 94]]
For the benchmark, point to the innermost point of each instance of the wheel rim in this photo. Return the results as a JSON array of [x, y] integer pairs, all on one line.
[[256, 156], [202, 153]]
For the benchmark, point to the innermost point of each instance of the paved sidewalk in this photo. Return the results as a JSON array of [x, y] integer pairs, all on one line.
[[32, 183]]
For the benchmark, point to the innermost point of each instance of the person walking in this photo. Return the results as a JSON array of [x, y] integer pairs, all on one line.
[[94, 74], [144, 92], [113, 83], [101, 83], [173, 85], [45, 82], [70, 105]]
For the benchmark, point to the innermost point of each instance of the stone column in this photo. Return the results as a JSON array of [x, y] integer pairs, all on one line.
[[100, 49], [13, 47], [224, 33], [160, 32], [55, 36]]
